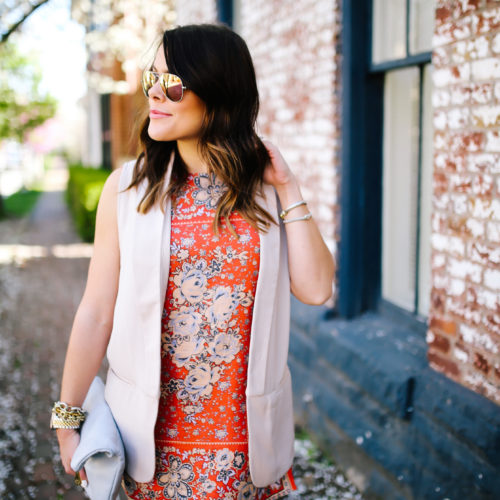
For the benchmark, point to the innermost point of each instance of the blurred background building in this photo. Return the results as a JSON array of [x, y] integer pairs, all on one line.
[[388, 111]]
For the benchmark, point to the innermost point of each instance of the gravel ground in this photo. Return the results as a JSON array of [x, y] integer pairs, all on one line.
[[43, 268]]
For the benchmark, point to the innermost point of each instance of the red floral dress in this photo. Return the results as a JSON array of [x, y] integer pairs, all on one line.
[[201, 430]]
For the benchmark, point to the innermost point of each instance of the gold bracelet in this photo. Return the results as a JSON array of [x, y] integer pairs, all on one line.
[[291, 207], [304, 217], [65, 416]]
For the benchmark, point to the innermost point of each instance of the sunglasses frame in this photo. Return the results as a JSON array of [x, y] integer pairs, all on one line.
[[158, 76]]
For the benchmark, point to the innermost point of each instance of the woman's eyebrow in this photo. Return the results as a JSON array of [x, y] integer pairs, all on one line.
[[154, 68]]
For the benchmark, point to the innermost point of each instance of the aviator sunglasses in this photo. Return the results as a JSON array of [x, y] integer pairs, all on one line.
[[171, 85]]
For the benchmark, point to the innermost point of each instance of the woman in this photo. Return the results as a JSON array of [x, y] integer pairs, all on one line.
[[188, 286]]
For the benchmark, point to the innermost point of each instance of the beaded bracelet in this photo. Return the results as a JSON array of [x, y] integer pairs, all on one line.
[[65, 416]]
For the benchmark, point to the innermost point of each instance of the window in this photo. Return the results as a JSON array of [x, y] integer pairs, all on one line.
[[386, 162], [402, 32]]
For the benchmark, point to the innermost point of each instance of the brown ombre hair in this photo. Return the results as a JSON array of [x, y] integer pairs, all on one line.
[[214, 63]]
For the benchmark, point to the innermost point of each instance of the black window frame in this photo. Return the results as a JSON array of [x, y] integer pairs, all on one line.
[[359, 272], [225, 12]]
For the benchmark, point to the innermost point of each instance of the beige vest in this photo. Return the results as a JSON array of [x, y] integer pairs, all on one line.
[[133, 380]]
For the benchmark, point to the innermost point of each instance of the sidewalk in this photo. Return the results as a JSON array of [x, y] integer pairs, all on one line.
[[43, 271], [43, 268]]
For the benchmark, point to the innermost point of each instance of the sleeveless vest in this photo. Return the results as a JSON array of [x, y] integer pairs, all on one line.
[[134, 350]]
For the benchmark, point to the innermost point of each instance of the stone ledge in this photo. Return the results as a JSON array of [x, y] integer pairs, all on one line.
[[371, 375]]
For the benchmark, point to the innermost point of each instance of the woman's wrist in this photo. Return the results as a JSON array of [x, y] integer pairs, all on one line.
[[63, 434], [289, 193]]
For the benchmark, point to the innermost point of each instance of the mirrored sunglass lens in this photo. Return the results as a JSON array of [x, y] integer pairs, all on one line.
[[172, 87], [148, 80]]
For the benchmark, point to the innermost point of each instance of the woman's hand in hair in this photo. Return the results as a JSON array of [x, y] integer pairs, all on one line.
[[277, 172], [310, 262]]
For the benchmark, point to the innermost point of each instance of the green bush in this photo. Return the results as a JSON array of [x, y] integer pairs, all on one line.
[[82, 195], [21, 203]]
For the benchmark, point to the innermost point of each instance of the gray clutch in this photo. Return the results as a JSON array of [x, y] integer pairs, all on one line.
[[101, 449]]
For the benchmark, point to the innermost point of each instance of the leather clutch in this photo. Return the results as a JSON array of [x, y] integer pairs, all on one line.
[[101, 449]]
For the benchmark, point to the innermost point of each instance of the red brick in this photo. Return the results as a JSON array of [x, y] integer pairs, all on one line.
[[464, 7], [455, 162], [482, 185], [440, 342], [442, 364], [482, 93], [484, 162], [441, 201], [492, 141], [440, 57], [461, 183], [462, 28], [439, 222], [491, 322], [486, 254], [438, 300], [486, 21], [463, 347], [486, 116], [460, 94], [464, 312], [440, 183], [458, 225], [481, 363], [443, 15], [441, 140], [466, 142], [443, 325]]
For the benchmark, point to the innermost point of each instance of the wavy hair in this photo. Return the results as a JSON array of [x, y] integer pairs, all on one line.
[[214, 63]]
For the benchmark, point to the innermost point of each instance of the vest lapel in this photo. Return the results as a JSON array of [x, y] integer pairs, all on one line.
[[265, 295], [152, 233]]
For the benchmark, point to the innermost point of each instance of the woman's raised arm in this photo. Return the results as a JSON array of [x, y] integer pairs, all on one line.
[[310, 262]]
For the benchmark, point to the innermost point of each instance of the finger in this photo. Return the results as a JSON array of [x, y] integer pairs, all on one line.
[[83, 474]]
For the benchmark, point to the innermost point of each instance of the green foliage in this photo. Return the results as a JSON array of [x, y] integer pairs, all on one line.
[[21, 203], [22, 106], [82, 195]]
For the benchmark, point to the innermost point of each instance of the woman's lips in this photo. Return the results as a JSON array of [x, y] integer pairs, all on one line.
[[158, 114]]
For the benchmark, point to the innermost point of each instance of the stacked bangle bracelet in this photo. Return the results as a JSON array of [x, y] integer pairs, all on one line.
[[291, 207], [65, 416]]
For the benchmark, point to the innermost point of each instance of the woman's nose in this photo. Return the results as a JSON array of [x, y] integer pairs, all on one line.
[[156, 92]]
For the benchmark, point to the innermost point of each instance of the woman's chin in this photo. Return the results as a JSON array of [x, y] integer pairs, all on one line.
[[160, 135]]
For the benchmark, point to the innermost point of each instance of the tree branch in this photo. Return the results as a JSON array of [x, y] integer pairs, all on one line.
[[16, 25]]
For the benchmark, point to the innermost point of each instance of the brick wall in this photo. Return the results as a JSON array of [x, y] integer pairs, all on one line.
[[193, 12], [464, 333], [294, 46]]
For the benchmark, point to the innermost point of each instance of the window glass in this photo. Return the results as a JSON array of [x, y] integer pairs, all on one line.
[[400, 176], [424, 271], [389, 30], [237, 16], [422, 15]]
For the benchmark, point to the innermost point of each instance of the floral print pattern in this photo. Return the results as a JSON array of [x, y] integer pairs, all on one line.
[[201, 429]]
